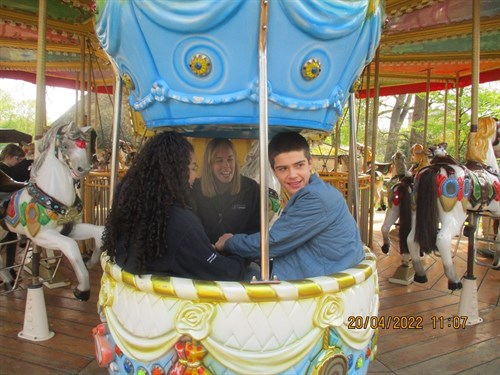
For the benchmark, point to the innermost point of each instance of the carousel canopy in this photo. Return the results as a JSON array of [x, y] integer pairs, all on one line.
[[420, 36], [433, 38], [70, 30]]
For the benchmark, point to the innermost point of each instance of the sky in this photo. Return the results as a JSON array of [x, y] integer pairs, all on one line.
[[58, 100]]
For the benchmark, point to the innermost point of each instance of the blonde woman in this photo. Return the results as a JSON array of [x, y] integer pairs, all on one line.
[[225, 201]]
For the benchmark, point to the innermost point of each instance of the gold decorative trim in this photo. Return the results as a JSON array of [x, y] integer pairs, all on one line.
[[220, 291]]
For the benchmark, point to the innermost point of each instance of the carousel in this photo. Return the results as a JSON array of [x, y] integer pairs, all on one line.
[[225, 68]]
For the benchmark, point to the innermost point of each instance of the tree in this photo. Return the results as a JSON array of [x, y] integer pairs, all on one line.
[[398, 115], [19, 115], [401, 136]]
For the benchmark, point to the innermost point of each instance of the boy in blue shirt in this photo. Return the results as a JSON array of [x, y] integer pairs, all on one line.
[[316, 234]]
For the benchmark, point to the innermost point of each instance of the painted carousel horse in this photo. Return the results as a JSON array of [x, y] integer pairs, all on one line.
[[48, 210], [419, 157], [382, 170], [251, 169], [443, 193], [126, 154], [399, 186], [7, 187]]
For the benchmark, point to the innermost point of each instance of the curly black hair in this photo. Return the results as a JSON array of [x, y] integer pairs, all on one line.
[[158, 178]]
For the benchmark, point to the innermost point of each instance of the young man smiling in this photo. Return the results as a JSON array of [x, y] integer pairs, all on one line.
[[316, 234]]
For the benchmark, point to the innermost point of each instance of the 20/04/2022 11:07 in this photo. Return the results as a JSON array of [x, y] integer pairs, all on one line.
[[405, 322], [455, 322]]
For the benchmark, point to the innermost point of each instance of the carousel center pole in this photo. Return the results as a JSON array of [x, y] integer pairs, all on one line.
[[36, 326]]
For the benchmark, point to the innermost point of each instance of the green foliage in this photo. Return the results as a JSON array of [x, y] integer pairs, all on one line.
[[17, 114], [488, 99]]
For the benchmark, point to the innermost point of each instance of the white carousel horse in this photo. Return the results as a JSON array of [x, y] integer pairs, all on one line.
[[382, 170], [399, 186], [126, 154], [251, 169], [444, 192], [7, 187], [48, 210]]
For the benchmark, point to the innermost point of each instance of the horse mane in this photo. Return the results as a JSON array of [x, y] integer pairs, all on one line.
[[478, 142], [427, 217], [46, 144]]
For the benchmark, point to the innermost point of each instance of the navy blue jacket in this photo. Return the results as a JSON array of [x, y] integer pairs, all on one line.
[[189, 252], [226, 213]]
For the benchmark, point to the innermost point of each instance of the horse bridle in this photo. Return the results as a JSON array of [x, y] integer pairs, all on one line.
[[81, 142]]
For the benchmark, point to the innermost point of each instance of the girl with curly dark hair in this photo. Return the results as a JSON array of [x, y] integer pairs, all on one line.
[[151, 228]]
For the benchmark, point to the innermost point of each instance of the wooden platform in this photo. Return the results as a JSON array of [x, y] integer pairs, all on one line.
[[473, 350]]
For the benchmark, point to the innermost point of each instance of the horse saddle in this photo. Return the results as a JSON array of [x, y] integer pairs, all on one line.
[[7, 187], [383, 168], [483, 190]]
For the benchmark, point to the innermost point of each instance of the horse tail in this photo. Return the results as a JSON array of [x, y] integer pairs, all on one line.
[[404, 191], [427, 222]]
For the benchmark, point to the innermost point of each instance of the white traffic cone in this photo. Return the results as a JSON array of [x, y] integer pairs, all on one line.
[[36, 325]]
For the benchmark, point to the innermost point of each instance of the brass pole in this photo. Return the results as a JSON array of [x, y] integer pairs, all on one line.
[[445, 111], [457, 113], [353, 191], [372, 181], [89, 88], [367, 123], [263, 141], [428, 89], [81, 111], [117, 114], [376, 91], [476, 31], [40, 114]]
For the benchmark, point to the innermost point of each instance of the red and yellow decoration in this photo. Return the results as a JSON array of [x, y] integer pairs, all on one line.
[[190, 356], [30, 214]]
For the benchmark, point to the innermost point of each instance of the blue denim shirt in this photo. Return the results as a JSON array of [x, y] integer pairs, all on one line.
[[315, 235]]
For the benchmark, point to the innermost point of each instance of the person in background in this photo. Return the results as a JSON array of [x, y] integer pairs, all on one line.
[[316, 234], [224, 200], [151, 228], [14, 163]]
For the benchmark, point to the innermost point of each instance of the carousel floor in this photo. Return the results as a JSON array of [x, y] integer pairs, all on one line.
[[473, 350]]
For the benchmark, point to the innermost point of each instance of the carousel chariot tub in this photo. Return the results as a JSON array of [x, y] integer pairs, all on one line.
[[170, 325]]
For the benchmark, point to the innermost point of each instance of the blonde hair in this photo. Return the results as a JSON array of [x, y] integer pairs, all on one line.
[[208, 180]]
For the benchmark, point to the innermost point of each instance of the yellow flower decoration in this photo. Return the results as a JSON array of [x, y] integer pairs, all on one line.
[[200, 65], [311, 69], [194, 319], [329, 312], [129, 83]]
